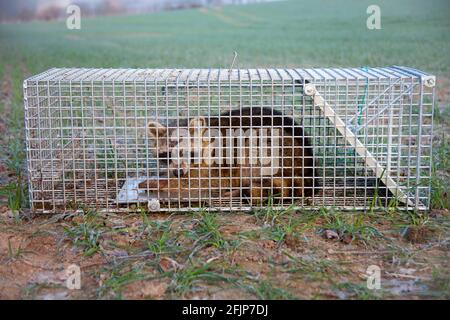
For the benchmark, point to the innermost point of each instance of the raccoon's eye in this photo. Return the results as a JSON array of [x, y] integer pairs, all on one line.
[[163, 157]]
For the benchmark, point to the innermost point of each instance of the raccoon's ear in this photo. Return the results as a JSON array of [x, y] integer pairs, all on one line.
[[156, 129], [197, 125]]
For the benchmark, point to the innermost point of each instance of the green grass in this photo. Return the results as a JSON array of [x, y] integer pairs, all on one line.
[[186, 278], [86, 234], [121, 274], [206, 227], [313, 269], [14, 193], [265, 290], [441, 282], [288, 33], [14, 254], [162, 240], [349, 225], [439, 178], [358, 291]]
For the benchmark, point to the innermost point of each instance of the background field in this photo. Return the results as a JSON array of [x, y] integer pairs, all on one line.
[[256, 256], [288, 33]]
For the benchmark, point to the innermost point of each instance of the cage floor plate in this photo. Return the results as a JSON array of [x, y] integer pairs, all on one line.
[[351, 192], [130, 192]]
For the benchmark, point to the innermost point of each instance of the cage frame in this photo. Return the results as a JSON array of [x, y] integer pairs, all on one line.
[[312, 80]]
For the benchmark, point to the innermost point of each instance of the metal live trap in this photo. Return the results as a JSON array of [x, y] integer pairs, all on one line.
[[183, 139]]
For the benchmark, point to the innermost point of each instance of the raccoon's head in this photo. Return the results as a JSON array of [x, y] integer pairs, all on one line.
[[178, 148], [162, 141], [188, 153]]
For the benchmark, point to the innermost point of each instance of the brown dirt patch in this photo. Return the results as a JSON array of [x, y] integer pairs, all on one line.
[[35, 254]]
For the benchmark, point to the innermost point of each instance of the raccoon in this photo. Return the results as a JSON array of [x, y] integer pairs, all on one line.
[[290, 172]]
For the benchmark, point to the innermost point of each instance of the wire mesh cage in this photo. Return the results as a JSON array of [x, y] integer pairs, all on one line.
[[184, 139]]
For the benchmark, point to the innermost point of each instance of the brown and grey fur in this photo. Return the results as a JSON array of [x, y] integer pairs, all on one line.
[[295, 178]]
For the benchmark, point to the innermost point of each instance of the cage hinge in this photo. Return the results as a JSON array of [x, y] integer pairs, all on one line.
[[429, 81]]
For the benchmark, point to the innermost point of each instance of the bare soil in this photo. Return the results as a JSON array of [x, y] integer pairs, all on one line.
[[35, 254]]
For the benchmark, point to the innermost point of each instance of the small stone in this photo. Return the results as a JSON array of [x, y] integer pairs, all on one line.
[[167, 264], [347, 239], [330, 234]]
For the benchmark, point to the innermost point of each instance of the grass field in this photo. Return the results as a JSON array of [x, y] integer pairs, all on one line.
[[269, 255], [288, 33]]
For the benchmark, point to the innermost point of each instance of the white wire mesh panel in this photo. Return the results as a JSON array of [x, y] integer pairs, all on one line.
[[174, 140]]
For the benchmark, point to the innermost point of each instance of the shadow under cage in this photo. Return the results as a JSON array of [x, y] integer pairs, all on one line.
[[229, 140]]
